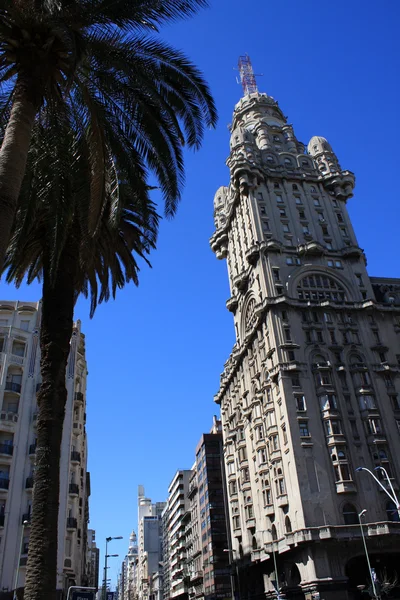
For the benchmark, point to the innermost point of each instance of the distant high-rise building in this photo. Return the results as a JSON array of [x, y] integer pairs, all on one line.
[[311, 389], [92, 560], [178, 504], [19, 384], [149, 542], [206, 537]]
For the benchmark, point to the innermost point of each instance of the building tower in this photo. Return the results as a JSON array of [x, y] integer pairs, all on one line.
[[310, 390], [132, 565], [19, 384]]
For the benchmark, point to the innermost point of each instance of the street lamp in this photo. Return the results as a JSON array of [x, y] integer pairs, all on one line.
[[392, 496], [24, 524], [108, 539], [361, 514], [231, 553]]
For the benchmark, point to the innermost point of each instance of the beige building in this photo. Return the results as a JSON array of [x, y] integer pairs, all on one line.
[[310, 390], [19, 384]]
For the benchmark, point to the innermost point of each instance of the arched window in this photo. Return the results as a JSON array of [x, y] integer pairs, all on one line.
[[392, 512], [350, 514], [320, 287], [240, 551], [254, 543], [273, 533], [288, 525]]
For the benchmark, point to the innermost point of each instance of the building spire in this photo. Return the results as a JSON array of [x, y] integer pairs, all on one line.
[[247, 75]]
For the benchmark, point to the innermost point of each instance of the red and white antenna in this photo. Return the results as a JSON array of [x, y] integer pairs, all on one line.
[[247, 75]]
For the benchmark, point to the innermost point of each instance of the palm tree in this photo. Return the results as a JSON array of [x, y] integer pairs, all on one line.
[[130, 91], [97, 265]]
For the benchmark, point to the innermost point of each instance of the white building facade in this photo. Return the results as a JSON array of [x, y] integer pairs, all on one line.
[[19, 384]]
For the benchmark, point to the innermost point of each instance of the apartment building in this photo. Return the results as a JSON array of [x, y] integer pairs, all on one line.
[[311, 389], [178, 504], [19, 384], [149, 542], [92, 560]]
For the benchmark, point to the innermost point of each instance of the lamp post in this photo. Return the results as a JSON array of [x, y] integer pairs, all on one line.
[[278, 596], [24, 524], [361, 514], [231, 553], [392, 496], [108, 539]]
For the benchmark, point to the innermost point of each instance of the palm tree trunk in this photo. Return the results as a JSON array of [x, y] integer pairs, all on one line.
[[13, 157], [55, 335]]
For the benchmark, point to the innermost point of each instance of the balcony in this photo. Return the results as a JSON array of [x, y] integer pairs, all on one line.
[[4, 483], [78, 397], [32, 449], [10, 416], [75, 457], [16, 359], [196, 576], [72, 523], [73, 489], [11, 386], [6, 449], [29, 483]]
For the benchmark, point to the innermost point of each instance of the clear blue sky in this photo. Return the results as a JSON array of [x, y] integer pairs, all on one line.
[[155, 355]]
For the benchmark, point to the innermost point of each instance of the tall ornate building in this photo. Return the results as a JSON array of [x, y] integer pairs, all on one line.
[[310, 390], [19, 384]]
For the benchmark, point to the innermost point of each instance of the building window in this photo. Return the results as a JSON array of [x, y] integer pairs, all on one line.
[[374, 426], [232, 488], [350, 514], [300, 403], [263, 210], [265, 225], [328, 402], [286, 228], [303, 427], [291, 356], [366, 402], [275, 442], [316, 202], [24, 325], [323, 379], [339, 217], [259, 432], [394, 399], [320, 287], [262, 456], [284, 435], [275, 274], [333, 427], [392, 512], [302, 214], [230, 468], [245, 475], [282, 212], [236, 522], [296, 381], [359, 280], [288, 335], [306, 229], [267, 497], [280, 486], [298, 200], [354, 430], [242, 454], [344, 231], [324, 229], [279, 199]]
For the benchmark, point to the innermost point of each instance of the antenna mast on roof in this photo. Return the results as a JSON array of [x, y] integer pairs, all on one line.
[[247, 75]]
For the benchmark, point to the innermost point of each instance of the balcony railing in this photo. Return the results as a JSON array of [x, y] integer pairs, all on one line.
[[72, 523], [16, 359], [73, 488], [9, 416], [32, 449], [29, 483], [4, 483], [11, 386], [6, 449], [75, 456]]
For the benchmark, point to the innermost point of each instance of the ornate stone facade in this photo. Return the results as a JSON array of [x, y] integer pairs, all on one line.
[[310, 390]]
